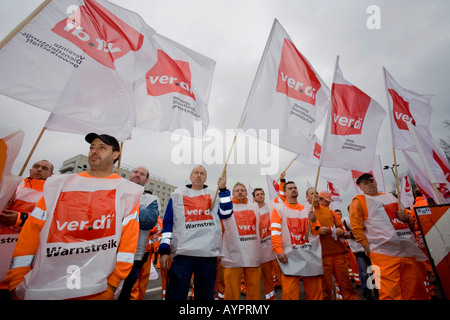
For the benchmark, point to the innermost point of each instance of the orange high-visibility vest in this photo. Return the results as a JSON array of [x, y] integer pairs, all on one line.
[[82, 235], [241, 238], [289, 224], [385, 233], [27, 195]]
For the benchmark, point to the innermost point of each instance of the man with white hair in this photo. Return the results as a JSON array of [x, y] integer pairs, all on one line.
[[192, 234]]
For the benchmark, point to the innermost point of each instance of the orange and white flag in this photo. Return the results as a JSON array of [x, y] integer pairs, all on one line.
[[351, 133], [287, 95]]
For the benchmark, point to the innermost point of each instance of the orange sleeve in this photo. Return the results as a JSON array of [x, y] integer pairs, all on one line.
[[358, 213], [275, 230], [127, 247], [315, 227], [26, 246]]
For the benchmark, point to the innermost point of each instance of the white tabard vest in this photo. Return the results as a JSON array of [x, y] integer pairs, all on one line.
[[79, 240], [241, 239], [267, 254], [304, 257], [196, 230], [385, 232]]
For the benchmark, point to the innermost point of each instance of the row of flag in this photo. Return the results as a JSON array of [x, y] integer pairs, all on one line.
[[98, 67]]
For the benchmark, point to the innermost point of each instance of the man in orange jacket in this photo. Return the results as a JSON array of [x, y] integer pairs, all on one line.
[[79, 242], [385, 233], [17, 211], [333, 250], [295, 240]]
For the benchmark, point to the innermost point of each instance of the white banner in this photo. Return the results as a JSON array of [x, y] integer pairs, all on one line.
[[287, 94], [352, 129]]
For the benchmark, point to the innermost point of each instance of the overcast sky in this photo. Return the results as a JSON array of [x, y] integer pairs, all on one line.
[[413, 44]]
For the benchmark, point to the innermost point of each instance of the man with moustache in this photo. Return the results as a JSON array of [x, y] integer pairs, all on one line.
[[79, 241]]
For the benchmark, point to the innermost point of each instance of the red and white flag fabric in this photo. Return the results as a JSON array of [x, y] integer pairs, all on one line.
[[174, 92], [273, 186], [406, 194], [406, 106], [376, 172], [287, 95], [335, 195], [352, 130], [313, 155], [434, 162], [424, 183], [10, 143], [78, 59]]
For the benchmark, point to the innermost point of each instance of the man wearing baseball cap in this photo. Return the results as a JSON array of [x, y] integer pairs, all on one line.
[[80, 240], [385, 233]]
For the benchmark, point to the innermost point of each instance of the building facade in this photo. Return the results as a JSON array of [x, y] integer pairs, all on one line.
[[157, 185]]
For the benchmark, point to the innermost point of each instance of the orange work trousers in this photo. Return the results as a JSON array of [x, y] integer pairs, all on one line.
[[336, 265], [232, 279], [399, 278], [291, 287], [267, 271]]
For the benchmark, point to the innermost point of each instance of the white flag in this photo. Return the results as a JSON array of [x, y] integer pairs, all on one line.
[[352, 129], [406, 106], [10, 143], [287, 95], [424, 183], [376, 172], [273, 187], [174, 92], [406, 194], [78, 59]]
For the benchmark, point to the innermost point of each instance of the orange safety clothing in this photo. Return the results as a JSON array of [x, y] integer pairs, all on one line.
[[311, 285], [27, 194], [289, 224], [232, 280], [329, 219], [140, 286], [400, 278], [393, 250], [81, 223], [242, 251], [333, 256]]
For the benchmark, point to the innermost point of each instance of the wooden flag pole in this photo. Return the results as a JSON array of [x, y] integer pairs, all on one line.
[[225, 167], [397, 183], [312, 202], [287, 167], [32, 151], [23, 23]]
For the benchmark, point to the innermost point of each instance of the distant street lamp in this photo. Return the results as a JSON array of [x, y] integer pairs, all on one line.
[[392, 169]]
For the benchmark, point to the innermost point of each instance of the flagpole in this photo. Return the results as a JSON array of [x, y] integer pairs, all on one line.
[[225, 166], [23, 23], [392, 141], [424, 160], [32, 151], [287, 167]]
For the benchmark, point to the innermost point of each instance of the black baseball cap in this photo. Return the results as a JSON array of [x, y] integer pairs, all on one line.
[[109, 140], [363, 177]]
